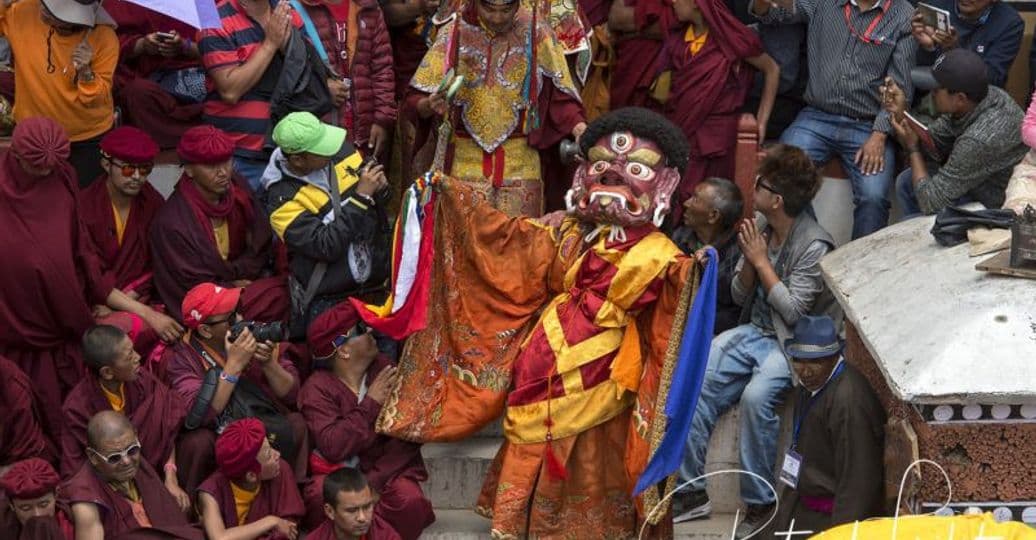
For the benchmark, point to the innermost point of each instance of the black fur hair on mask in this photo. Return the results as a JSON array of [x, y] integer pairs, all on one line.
[[644, 124]]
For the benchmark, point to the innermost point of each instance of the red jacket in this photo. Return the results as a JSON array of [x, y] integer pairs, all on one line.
[[373, 80]]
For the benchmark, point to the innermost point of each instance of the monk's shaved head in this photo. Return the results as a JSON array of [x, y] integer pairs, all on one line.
[[106, 426]]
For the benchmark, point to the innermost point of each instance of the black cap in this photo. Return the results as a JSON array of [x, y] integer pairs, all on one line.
[[957, 70]]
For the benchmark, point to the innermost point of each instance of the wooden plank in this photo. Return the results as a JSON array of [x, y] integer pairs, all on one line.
[[1001, 264]]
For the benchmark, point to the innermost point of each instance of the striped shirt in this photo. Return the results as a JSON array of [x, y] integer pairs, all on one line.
[[849, 59], [248, 120]]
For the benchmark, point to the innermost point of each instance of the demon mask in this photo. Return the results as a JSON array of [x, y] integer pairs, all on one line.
[[625, 180]]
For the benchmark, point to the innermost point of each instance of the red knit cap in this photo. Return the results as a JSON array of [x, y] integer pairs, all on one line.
[[206, 300], [129, 144], [237, 448], [206, 145], [328, 325], [41, 142], [29, 479]]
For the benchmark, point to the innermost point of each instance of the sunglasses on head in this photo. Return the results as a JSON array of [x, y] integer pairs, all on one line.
[[357, 330], [116, 457]]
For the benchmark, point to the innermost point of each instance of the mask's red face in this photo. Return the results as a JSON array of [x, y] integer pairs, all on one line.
[[624, 181]]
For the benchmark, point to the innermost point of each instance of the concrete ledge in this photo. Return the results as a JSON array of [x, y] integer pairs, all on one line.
[[456, 471]]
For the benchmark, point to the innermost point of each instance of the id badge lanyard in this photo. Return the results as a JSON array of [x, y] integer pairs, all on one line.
[[866, 37], [809, 404]]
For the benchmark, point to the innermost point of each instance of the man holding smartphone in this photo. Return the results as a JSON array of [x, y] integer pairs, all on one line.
[[160, 83], [351, 241], [989, 28]]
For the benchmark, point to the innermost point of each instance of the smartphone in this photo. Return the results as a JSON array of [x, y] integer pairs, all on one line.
[[934, 17], [165, 36]]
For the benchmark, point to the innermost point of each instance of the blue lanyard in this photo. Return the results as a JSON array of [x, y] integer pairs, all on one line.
[[809, 404]]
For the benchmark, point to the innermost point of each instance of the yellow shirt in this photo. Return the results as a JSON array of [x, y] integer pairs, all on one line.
[[222, 234], [243, 501], [694, 41], [120, 224], [117, 401], [47, 86]]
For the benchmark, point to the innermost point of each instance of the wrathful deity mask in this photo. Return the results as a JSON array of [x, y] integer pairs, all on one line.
[[624, 181]]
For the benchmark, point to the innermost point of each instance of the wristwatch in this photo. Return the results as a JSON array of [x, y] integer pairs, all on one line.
[[232, 379]]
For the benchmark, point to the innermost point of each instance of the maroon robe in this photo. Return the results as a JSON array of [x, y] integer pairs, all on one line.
[[156, 414], [128, 264], [145, 104], [56, 527], [21, 432], [48, 282], [183, 369], [277, 497], [189, 255], [116, 512], [708, 91], [343, 427], [380, 530], [639, 59], [409, 46]]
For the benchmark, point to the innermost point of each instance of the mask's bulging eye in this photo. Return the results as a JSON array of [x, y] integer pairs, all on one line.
[[640, 171], [599, 167], [622, 141]]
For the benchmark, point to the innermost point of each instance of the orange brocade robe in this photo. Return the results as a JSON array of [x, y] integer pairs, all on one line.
[[569, 340]]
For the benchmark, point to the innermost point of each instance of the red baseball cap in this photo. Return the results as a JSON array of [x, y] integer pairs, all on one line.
[[206, 300]]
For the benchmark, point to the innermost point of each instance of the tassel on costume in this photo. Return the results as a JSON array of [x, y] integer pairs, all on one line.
[[555, 468]]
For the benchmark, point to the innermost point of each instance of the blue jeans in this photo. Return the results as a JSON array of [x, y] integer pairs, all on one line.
[[905, 194], [824, 136], [252, 171], [746, 366]]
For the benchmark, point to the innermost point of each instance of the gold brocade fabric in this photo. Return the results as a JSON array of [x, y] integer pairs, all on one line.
[[493, 278], [521, 191], [494, 68]]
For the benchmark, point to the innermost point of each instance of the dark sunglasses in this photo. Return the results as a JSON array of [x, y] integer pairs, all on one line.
[[229, 319], [357, 330], [760, 184], [116, 457]]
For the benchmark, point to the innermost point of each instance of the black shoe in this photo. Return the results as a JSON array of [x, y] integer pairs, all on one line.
[[691, 505], [756, 517]]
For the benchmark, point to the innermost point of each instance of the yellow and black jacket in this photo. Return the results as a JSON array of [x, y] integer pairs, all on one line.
[[356, 246]]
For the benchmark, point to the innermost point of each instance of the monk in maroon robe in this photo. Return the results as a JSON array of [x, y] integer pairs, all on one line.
[[117, 211], [253, 493], [711, 56], [116, 494], [116, 382], [639, 27], [341, 404], [349, 510], [212, 230], [243, 365], [52, 273], [159, 82], [21, 433], [29, 509]]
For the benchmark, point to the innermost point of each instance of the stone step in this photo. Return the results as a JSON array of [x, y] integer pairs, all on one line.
[[456, 471], [467, 525]]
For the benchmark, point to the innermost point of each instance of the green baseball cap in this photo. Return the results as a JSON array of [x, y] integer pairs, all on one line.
[[303, 132]]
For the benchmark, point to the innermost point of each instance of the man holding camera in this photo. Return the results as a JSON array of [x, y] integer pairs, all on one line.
[[225, 369], [333, 255], [990, 29]]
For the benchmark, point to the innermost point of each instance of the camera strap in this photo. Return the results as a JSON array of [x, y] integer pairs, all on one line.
[[320, 268]]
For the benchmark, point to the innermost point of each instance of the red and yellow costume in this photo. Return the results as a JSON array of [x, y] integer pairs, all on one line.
[[570, 338]]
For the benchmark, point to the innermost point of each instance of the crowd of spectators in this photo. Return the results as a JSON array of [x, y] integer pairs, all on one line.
[[191, 363]]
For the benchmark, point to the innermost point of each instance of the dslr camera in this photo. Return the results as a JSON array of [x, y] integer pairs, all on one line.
[[271, 331]]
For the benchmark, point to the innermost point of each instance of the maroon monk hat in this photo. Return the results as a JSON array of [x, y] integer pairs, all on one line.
[[129, 144], [29, 479], [205, 300], [206, 145], [41, 142], [237, 448], [330, 324]]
